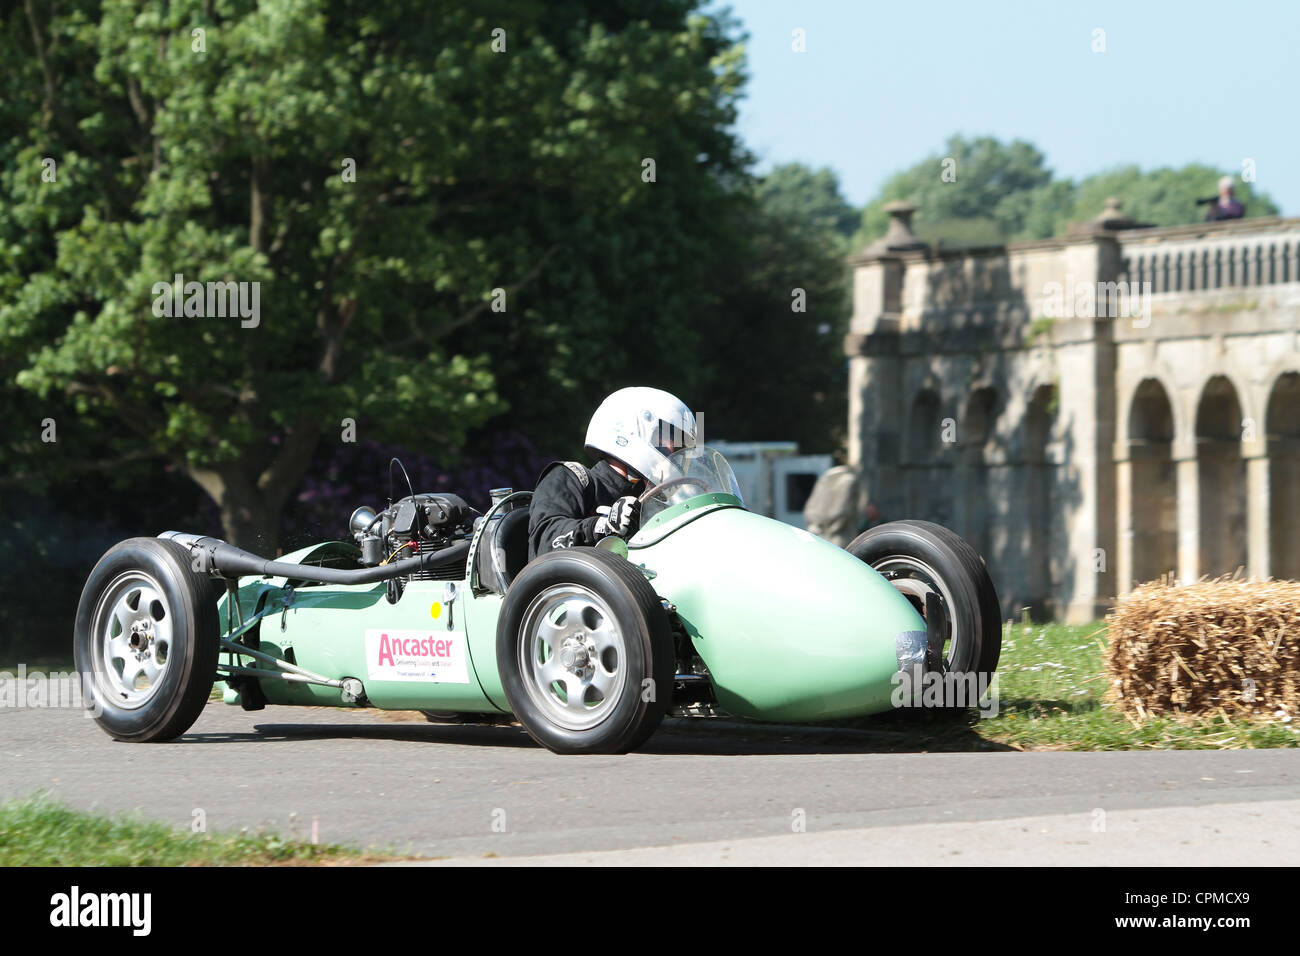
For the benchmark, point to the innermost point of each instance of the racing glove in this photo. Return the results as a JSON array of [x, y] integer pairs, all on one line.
[[621, 518]]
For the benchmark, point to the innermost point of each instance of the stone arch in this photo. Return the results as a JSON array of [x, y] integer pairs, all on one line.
[[1153, 499], [921, 452], [921, 443], [1228, 376], [1282, 431], [976, 428], [1157, 375], [1040, 419], [1221, 478]]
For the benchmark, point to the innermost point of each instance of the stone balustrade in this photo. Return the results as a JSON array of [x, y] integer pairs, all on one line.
[[1238, 254]]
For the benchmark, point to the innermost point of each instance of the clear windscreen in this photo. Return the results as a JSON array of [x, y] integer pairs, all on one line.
[[687, 473]]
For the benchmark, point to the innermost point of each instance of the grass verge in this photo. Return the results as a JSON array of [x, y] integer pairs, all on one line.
[[39, 831], [1052, 696]]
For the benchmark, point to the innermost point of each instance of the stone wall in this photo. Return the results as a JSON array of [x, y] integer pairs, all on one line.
[[1089, 411]]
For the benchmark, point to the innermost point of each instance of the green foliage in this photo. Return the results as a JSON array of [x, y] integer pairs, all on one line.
[[966, 193], [779, 370], [1003, 192], [1039, 327], [808, 199], [476, 170], [1163, 197]]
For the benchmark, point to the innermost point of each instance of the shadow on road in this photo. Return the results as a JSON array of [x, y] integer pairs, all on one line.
[[890, 733], [907, 733], [466, 734]]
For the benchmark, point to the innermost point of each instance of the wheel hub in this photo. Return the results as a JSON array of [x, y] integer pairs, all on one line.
[[140, 638], [575, 655]]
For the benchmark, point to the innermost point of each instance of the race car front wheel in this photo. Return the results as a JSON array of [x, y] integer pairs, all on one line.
[[585, 652], [146, 640], [940, 573]]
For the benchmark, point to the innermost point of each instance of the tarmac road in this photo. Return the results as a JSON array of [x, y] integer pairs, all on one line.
[[708, 792]]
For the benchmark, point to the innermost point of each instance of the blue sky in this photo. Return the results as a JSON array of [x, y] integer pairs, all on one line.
[[883, 84]]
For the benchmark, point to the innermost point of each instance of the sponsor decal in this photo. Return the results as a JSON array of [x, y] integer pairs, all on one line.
[[431, 656]]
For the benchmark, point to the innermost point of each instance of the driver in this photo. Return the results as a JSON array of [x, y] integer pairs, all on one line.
[[631, 435]]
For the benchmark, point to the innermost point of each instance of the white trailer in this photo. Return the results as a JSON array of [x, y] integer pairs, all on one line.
[[774, 478]]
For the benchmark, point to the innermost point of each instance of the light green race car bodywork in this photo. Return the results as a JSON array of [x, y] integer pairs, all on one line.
[[790, 627]]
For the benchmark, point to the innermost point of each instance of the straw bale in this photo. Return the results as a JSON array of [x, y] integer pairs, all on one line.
[[1226, 647]]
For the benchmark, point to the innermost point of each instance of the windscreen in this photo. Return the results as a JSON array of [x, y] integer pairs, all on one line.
[[692, 471]]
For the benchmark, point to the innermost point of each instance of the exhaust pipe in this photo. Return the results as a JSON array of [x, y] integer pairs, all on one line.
[[216, 556]]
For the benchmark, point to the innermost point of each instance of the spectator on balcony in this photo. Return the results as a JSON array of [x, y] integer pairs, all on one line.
[[1227, 206]]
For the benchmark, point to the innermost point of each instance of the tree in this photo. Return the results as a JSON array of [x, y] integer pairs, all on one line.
[[982, 192], [804, 197], [776, 367], [1163, 197], [966, 194], [430, 202]]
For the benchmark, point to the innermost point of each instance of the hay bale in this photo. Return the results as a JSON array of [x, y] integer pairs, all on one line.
[[1222, 647]]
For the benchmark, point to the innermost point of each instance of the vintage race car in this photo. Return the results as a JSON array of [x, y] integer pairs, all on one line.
[[707, 609]]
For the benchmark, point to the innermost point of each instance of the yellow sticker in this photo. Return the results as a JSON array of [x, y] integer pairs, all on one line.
[[435, 610]]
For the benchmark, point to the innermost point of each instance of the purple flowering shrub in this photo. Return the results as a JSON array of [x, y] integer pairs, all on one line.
[[344, 476]]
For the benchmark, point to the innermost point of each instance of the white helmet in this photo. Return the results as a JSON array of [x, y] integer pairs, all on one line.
[[641, 427]]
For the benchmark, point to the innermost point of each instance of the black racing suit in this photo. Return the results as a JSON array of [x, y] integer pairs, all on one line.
[[563, 509]]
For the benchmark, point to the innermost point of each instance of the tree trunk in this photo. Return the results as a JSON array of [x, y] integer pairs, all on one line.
[[251, 502], [250, 521], [250, 518]]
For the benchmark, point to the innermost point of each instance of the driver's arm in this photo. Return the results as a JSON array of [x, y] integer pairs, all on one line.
[[557, 516]]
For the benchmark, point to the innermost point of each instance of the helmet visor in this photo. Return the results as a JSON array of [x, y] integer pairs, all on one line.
[[668, 439]]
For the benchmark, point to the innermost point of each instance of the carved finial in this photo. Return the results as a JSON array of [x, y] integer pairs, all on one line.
[[899, 236], [1112, 212]]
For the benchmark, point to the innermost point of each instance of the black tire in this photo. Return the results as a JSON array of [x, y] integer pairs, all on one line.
[[974, 633], [187, 604], [626, 612]]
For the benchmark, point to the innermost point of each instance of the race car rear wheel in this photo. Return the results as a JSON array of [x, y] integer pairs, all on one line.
[[146, 639], [925, 561], [585, 652]]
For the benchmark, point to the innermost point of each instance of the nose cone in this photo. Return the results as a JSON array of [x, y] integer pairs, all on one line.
[[790, 626]]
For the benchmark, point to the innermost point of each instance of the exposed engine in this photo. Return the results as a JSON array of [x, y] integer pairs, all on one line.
[[415, 525]]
